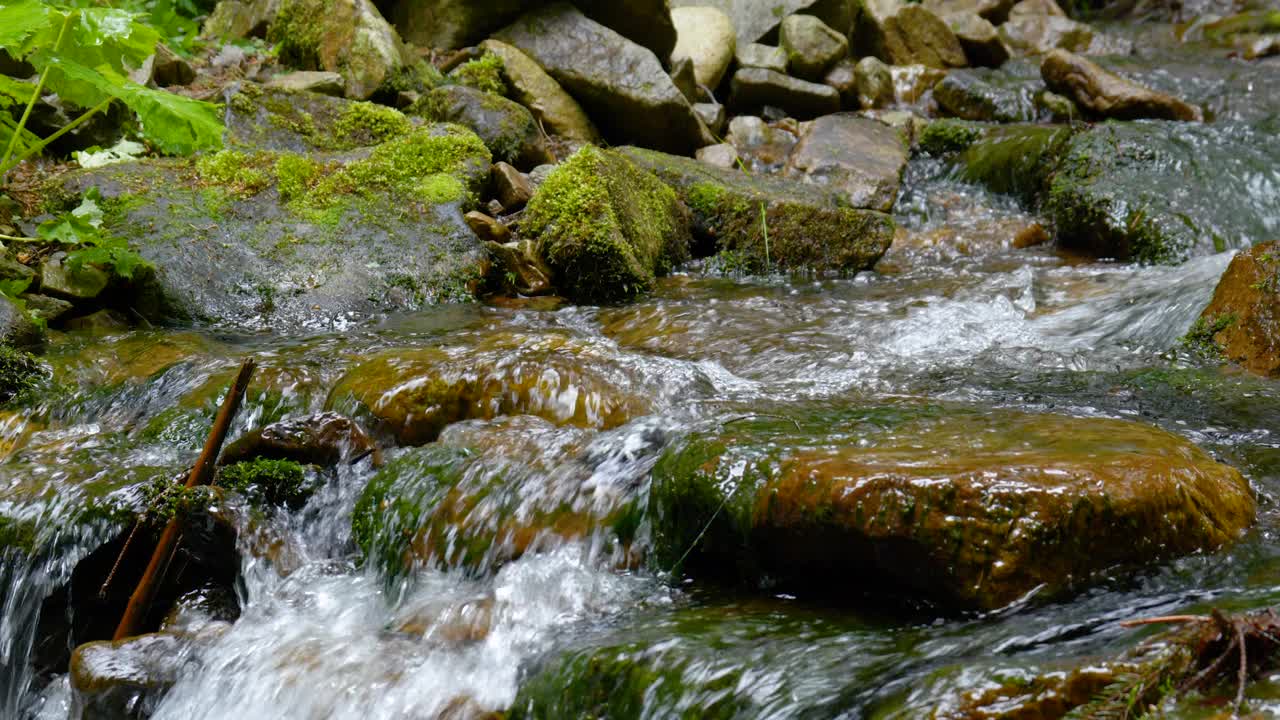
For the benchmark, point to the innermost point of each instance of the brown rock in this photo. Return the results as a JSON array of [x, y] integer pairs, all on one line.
[[486, 228], [906, 34], [1037, 7], [1106, 94], [861, 159], [510, 186], [982, 44], [843, 76], [522, 270], [322, 439], [996, 11], [1243, 319]]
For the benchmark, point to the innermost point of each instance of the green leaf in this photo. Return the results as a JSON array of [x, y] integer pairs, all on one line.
[[15, 287], [14, 92], [26, 139], [69, 229], [104, 36], [19, 21], [111, 253]]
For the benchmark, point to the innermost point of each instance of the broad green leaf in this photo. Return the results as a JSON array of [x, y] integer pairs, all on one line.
[[14, 92], [15, 287], [176, 124], [89, 210], [19, 21], [123, 151], [67, 228], [115, 38], [75, 83]]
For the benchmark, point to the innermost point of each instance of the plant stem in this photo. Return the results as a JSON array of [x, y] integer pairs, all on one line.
[[764, 225], [63, 131], [12, 238], [35, 95]]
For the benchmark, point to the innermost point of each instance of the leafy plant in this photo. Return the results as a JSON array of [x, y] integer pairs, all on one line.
[[81, 230], [84, 55]]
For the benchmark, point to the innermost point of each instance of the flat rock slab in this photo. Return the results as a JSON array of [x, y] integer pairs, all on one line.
[[968, 507], [621, 85], [860, 158]]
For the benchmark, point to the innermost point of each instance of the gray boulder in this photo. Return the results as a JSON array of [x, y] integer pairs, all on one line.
[[859, 158], [705, 35], [754, 88], [620, 84], [996, 11], [811, 46], [755, 55], [507, 128], [758, 21]]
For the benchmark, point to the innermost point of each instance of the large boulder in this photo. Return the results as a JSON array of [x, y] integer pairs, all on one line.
[[705, 36], [758, 21], [621, 85], [606, 228], [532, 87], [645, 22], [349, 37], [973, 508], [982, 44], [995, 11], [906, 34], [762, 223], [454, 23], [1105, 94], [982, 94], [507, 128], [1243, 319], [860, 158], [267, 236]]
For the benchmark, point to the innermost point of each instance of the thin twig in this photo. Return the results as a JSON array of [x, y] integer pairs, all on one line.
[[1165, 619]]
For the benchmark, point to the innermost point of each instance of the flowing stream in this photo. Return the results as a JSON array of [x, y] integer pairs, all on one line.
[[954, 313]]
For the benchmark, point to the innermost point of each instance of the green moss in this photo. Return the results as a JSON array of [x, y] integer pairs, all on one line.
[[167, 497], [277, 482], [442, 188], [705, 197], [944, 137], [295, 175], [18, 534], [1199, 338], [367, 123], [243, 174], [21, 375], [483, 73], [296, 32]]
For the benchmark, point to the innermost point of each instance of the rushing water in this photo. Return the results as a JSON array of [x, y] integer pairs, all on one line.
[[955, 312]]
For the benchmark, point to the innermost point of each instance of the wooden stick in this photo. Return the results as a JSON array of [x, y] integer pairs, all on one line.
[[142, 596], [1166, 619]]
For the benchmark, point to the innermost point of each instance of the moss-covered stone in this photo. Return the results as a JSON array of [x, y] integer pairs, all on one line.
[[606, 227], [971, 507], [947, 136], [1242, 321], [349, 37], [505, 126], [772, 223], [1014, 159], [20, 374], [484, 74], [277, 482]]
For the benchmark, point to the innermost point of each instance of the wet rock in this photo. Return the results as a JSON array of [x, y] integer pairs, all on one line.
[[510, 186], [758, 22], [506, 127], [713, 116], [808, 229], [906, 34], [83, 282], [755, 55], [486, 228], [413, 394], [1031, 8], [622, 85], [912, 84], [11, 269], [1060, 109], [253, 237], [316, 81], [985, 96], [1105, 94], [859, 158], [995, 11], [607, 227], [1135, 191], [705, 35], [811, 46], [45, 307], [754, 88], [323, 439], [128, 678], [349, 37], [164, 68], [522, 268], [982, 44], [16, 326], [445, 507], [972, 508], [105, 320], [1243, 319], [723, 155], [875, 83], [532, 87], [1039, 34]]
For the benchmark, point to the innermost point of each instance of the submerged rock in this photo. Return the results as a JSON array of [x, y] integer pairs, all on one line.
[[127, 678], [971, 508], [606, 227], [1105, 94], [413, 394], [1243, 319], [621, 84], [806, 226], [859, 158]]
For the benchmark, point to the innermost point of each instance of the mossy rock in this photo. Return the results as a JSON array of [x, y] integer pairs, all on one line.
[[606, 227], [505, 126], [967, 507], [413, 394], [1014, 159], [447, 507], [349, 37], [261, 118], [21, 375], [989, 96], [251, 237], [1242, 321], [271, 481], [948, 136], [772, 223]]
